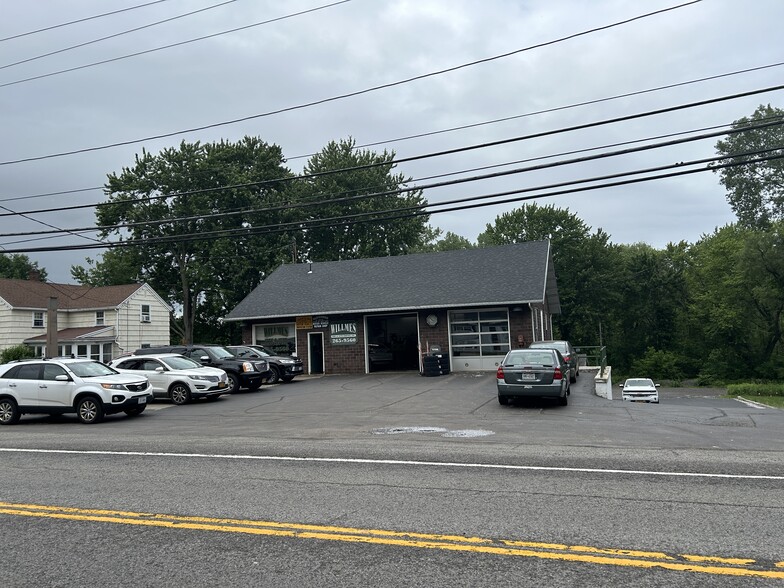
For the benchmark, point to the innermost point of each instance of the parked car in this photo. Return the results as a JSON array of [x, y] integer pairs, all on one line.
[[64, 385], [175, 377], [567, 351], [640, 390], [242, 373], [282, 367], [533, 373], [379, 355]]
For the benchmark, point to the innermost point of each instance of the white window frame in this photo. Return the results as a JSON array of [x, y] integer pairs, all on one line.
[[38, 319], [145, 317], [100, 318]]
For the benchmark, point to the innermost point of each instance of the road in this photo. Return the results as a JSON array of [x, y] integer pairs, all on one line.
[[398, 480]]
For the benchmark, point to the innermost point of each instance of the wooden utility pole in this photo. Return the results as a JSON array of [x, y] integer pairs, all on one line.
[[51, 328]]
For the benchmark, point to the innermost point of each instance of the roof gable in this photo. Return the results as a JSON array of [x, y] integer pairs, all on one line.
[[510, 274]]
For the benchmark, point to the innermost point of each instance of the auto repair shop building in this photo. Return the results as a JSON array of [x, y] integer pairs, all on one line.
[[382, 314]]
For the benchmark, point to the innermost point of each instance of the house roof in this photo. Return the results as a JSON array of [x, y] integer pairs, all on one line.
[[518, 273], [78, 333], [35, 295]]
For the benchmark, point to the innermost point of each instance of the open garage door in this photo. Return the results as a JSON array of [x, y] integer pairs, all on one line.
[[392, 343]]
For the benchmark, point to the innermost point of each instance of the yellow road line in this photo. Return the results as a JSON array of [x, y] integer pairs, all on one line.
[[550, 551]]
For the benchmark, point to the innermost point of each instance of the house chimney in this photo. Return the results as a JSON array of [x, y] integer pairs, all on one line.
[[34, 275]]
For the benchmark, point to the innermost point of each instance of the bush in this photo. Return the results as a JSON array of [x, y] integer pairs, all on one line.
[[16, 352], [658, 365], [766, 389]]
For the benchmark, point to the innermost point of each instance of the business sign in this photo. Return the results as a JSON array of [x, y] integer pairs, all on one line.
[[343, 333], [320, 322], [304, 322]]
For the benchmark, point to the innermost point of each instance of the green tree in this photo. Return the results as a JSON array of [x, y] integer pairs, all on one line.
[[582, 260], [755, 191], [449, 242], [737, 301], [363, 189], [196, 216], [19, 267]]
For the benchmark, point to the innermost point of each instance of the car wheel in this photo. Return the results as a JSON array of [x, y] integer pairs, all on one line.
[[563, 400], [9, 412], [274, 376], [132, 412], [234, 383], [89, 410], [180, 394], [503, 400]]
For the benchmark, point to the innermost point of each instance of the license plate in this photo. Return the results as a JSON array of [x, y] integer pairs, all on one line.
[[222, 384], [142, 400], [296, 368], [527, 376]]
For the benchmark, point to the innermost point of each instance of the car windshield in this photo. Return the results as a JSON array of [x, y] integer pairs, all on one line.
[[245, 352], [180, 363], [559, 345], [222, 352], [263, 351], [90, 369], [529, 358], [640, 382]]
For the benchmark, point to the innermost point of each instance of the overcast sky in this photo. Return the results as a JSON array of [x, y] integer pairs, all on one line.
[[361, 44]]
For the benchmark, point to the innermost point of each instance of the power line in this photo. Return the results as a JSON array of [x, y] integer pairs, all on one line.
[[85, 66], [408, 212], [65, 24], [112, 36], [472, 125], [777, 121], [346, 95]]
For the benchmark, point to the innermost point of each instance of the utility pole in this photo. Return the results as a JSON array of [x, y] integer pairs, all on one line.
[[51, 328]]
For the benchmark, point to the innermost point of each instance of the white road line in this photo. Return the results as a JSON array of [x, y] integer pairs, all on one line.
[[396, 462], [751, 403]]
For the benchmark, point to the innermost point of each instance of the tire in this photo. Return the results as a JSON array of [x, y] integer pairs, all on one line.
[[563, 400], [132, 412], [9, 412], [234, 383], [274, 376], [503, 401], [573, 377], [180, 394], [89, 410]]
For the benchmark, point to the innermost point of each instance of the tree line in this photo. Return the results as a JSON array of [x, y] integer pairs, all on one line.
[[205, 223]]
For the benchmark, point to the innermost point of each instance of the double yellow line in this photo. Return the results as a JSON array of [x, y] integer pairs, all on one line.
[[552, 551]]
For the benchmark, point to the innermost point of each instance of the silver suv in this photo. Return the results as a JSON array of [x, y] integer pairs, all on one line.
[[56, 386], [175, 377]]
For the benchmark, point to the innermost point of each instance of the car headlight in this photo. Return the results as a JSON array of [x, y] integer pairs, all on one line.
[[203, 378], [114, 387], [288, 361], [247, 367]]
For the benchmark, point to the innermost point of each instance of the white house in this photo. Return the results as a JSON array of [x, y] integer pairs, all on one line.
[[95, 322]]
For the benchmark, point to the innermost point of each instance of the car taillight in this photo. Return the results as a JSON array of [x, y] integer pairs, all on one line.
[[499, 374], [567, 358], [557, 375]]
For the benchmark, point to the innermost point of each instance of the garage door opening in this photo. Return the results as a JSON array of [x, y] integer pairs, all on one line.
[[392, 343]]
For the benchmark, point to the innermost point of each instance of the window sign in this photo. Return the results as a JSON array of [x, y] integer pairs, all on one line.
[[278, 338], [343, 333]]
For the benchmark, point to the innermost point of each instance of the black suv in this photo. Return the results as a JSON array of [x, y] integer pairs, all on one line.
[[282, 367], [242, 373]]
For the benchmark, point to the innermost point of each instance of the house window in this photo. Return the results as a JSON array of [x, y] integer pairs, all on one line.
[[281, 339], [99, 318], [145, 314], [38, 319]]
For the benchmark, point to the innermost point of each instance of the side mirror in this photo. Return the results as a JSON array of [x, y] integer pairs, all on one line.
[[657, 385], [61, 378], [160, 369]]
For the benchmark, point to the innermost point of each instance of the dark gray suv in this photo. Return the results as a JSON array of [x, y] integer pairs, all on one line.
[[569, 354]]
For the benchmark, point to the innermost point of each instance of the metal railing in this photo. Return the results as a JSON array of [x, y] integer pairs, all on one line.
[[593, 355]]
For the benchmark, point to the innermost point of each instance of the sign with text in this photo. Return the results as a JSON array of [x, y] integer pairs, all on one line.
[[320, 322], [304, 322], [343, 333]]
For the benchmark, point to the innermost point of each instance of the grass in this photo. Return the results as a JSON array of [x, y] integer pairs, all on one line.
[[771, 394]]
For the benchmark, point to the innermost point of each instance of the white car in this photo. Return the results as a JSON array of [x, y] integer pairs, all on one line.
[[175, 377], [640, 390], [62, 385]]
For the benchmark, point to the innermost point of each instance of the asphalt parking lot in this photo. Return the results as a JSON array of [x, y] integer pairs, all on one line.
[[407, 406]]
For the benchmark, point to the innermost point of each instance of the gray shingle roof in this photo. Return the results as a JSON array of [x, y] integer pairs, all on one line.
[[33, 294], [510, 274]]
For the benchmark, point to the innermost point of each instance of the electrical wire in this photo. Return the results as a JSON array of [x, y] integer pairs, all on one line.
[[346, 95], [145, 52], [112, 36], [65, 24], [472, 125]]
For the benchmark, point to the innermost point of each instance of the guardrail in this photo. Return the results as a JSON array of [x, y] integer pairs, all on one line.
[[593, 355]]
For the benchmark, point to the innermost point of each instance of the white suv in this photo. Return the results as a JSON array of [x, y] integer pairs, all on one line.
[[56, 386], [175, 377]]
